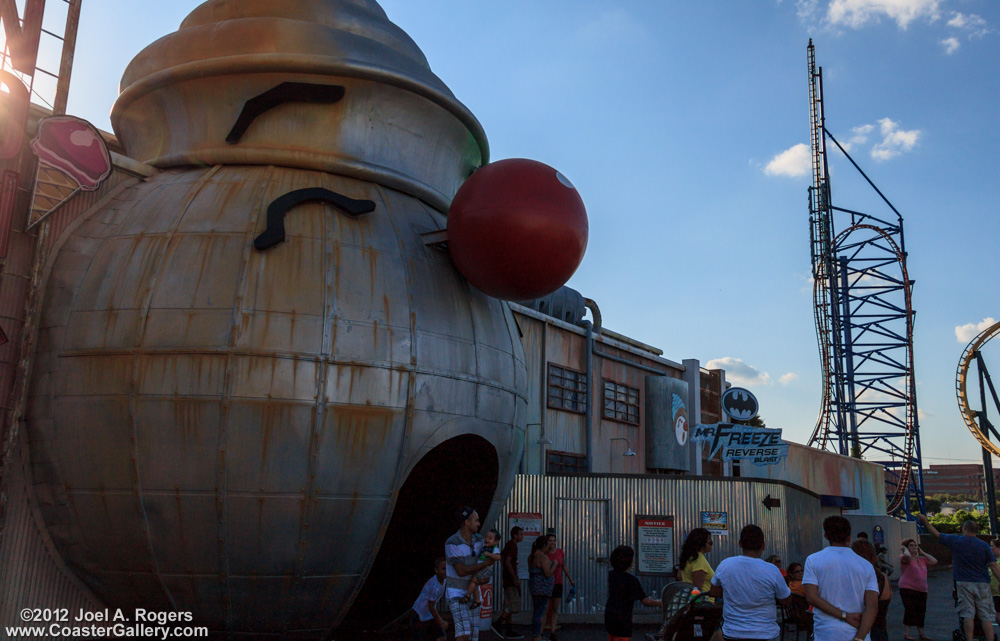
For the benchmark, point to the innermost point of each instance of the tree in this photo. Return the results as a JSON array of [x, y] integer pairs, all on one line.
[[952, 524]]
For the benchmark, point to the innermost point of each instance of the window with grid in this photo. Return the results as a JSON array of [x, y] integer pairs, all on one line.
[[621, 403], [565, 463], [567, 389]]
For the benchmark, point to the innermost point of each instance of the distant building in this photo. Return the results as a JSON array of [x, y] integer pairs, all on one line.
[[964, 478]]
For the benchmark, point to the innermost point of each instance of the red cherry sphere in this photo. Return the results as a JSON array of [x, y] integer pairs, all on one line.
[[517, 229]]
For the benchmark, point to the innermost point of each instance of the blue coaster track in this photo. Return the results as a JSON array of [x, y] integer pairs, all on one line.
[[864, 324]]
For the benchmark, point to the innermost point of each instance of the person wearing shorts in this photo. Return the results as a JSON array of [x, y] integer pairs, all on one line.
[[972, 560], [552, 613], [462, 550], [511, 586]]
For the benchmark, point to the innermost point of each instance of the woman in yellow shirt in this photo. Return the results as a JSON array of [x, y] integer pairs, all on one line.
[[694, 566]]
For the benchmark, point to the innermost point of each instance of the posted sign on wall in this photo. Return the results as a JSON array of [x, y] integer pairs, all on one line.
[[758, 445], [654, 544], [717, 523]]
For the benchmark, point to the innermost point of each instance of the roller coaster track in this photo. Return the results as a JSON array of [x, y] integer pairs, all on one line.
[[864, 324], [961, 376]]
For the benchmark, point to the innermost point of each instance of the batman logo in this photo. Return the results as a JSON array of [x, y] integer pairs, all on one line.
[[739, 404]]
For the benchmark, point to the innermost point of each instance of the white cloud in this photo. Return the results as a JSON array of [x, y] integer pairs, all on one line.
[[806, 8], [739, 372], [894, 140], [972, 25], [859, 135], [788, 379], [791, 162], [959, 20], [965, 333], [858, 13], [950, 45], [921, 414]]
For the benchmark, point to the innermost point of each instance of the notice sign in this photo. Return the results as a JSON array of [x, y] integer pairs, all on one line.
[[531, 523], [717, 523], [654, 544]]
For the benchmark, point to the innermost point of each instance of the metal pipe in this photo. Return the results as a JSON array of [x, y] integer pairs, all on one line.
[[66, 64], [590, 395], [619, 359], [595, 312]]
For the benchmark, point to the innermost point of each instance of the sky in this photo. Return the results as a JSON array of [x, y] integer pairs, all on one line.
[[685, 127]]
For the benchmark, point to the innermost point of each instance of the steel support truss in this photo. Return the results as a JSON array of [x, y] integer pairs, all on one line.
[[864, 325]]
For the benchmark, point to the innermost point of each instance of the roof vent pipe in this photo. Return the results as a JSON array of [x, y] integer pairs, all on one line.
[[595, 312]]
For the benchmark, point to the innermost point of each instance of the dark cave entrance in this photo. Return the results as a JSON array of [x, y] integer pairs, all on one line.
[[461, 471]]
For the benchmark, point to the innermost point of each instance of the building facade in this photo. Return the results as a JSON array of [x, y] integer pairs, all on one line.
[[960, 479]]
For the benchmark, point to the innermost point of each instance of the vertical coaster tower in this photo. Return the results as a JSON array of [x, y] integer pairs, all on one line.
[[864, 324]]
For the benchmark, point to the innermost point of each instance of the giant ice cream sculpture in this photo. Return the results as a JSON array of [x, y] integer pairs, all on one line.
[[71, 156], [235, 429]]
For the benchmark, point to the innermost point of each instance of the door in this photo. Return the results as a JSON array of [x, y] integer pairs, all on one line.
[[582, 527]]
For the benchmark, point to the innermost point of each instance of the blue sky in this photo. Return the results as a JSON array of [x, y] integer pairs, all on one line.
[[682, 125]]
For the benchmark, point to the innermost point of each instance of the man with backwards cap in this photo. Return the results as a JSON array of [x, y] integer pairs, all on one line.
[[462, 552]]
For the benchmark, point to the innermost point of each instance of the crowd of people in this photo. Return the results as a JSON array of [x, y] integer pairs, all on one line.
[[840, 593]]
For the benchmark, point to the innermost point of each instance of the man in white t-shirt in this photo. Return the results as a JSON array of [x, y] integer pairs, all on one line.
[[426, 623], [841, 586], [749, 587]]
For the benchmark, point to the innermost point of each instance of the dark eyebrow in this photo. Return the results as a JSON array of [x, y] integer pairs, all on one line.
[[275, 231], [285, 92]]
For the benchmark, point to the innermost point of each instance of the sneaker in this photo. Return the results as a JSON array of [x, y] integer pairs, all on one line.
[[511, 634], [495, 626]]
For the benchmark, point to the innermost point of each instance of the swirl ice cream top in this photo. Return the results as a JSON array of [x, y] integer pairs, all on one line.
[[74, 147]]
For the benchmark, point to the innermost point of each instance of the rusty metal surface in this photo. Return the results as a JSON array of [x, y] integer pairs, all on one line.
[[425, 142], [31, 574], [547, 340], [228, 427], [594, 514], [828, 473], [224, 431]]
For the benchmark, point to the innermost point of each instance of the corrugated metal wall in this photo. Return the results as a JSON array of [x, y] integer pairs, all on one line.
[[31, 574], [594, 514]]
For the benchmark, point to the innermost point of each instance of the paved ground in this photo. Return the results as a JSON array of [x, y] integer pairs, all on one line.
[[941, 617]]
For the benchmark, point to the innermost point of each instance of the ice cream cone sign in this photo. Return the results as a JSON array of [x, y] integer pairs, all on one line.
[[72, 156]]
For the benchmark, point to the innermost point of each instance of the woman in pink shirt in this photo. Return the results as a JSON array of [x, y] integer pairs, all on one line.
[[913, 564], [552, 614]]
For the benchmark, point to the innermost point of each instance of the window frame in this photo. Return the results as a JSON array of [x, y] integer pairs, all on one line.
[[561, 374], [576, 466], [614, 399]]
